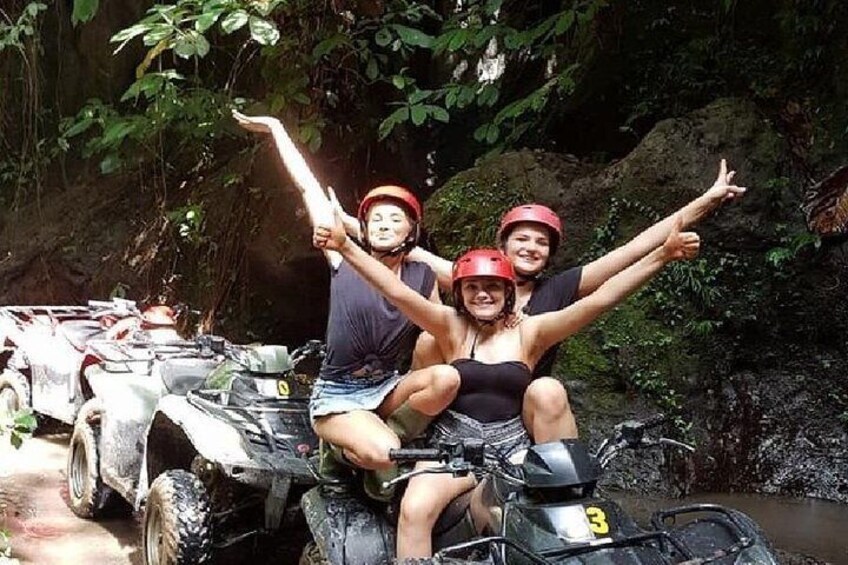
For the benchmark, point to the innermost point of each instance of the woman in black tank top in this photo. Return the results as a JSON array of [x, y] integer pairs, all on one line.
[[484, 291], [529, 235]]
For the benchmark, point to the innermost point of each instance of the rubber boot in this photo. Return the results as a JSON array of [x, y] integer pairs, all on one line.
[[332, 463], [407, 423]]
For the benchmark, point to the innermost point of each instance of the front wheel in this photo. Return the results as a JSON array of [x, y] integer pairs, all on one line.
[[14, 393], [177, 521], [87, 494]]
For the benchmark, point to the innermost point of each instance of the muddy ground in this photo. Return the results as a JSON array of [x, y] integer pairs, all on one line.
[[33, 507]]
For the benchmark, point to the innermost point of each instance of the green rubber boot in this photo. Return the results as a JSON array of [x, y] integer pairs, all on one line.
[[331, 461], [408, 423]]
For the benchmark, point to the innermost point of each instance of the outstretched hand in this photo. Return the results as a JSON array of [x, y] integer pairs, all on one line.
[[681, 244], [722, 189], [258, 124], [350, 223], [330, 238]]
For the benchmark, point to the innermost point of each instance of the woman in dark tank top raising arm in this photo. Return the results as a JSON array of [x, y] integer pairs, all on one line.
[[495, 360], [364, 403]]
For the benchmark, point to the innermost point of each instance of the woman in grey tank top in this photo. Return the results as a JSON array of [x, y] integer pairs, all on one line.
[[364, 403]]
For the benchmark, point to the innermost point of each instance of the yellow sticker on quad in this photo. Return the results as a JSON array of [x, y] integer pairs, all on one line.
[[597, 520], [283, 388]]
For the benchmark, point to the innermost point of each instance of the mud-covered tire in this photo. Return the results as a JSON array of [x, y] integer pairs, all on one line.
[[177, 521], [87, 495], [14, 392], [312, 555]]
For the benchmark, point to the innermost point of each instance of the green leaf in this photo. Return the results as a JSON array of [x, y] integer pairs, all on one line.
[[25, 421], [383, 37], [419, 96], [492, 134], [234, 21], [438, 113], [419, 114], [481, 132], [16, 440], [115, 133], [78, 127], [202, 45], [413, 37], [84, 11], [372, 71], [396, 117], [127, 34], [185, 47], [328, 45], [564, 22], [264, 32], [458, 40], [207, 19], [110, 164]]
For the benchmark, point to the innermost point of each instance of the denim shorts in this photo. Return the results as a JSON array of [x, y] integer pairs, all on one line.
[[506, 437], [352, 393]]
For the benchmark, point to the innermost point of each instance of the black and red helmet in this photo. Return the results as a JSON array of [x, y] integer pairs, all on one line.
[[400, 196], [483, 263], [533, 213]]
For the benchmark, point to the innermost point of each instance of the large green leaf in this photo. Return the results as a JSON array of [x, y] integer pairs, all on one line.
[[264, 32], [412, 36], [84, 11], [234, 21]]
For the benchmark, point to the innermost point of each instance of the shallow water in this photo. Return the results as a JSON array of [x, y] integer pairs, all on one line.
[[813, 527]]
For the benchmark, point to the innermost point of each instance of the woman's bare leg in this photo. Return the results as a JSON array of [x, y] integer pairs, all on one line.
[[428, 391], [425, 498], [362, 435], [427, 352], [546, 411]]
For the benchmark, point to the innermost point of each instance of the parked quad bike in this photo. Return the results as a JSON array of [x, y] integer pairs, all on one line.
[[214, 445], [44, 354], [541, 511]]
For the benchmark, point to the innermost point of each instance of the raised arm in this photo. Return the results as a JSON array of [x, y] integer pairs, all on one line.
[[430, 316], [545, 330], [442, 267], [317, 204], [595, 273]]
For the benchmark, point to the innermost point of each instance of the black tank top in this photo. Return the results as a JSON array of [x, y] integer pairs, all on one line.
[[490, 392]]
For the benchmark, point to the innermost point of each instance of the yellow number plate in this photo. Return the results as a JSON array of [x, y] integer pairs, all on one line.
[[283, 388]]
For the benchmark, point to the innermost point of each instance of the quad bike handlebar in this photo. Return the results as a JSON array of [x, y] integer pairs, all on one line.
[[631, 434], [470, 455]]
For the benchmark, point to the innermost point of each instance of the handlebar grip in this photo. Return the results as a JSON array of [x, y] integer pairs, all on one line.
[[411, 454]]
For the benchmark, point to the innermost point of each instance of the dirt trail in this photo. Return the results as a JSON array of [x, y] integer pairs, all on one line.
[[33, 507]]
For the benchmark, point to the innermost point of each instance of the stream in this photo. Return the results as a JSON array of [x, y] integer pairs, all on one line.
[[807, 526]]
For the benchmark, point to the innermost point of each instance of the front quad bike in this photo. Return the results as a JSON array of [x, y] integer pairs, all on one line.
[[230, 460], [127, 379], [541, 511], [44, 354]]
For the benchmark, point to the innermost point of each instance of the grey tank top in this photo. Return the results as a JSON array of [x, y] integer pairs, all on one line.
[[366, 332]]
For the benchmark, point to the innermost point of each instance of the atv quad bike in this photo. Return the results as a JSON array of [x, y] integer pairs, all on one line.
[[231, 459], [44, 353], [543, 510], [210, 438]]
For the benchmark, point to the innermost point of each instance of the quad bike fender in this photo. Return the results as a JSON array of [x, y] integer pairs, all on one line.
[[213, 439], [346, 529]]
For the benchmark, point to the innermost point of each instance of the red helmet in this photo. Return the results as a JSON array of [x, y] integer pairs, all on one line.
[[483, 263], [536, 213], [401, 196], [159, 316], [390, 192]]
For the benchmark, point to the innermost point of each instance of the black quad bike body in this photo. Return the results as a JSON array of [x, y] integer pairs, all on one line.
[[43, 352], [543, 510]]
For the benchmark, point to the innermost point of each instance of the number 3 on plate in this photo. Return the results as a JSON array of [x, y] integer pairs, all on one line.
[[597, 520]]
